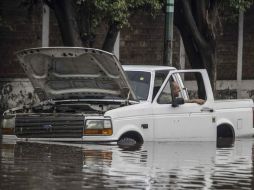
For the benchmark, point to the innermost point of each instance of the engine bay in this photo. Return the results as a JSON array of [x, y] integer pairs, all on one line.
[[91, 107]]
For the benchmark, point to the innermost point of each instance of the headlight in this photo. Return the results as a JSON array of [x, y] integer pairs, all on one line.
[[98, 127], [8, 126]]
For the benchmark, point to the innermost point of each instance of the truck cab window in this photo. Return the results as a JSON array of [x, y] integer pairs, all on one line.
[[140, 83], [188, 86], [160, 76], [166, 95], [194, 85]]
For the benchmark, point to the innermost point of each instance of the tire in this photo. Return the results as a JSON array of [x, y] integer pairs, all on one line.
[[127, 141]]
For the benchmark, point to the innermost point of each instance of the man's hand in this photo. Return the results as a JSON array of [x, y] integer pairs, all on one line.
[[198, 101]]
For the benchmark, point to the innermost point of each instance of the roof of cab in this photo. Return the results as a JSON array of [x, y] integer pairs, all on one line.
[[148, 68]]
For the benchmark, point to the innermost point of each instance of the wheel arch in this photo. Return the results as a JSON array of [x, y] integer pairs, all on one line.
[[225, 129], [133, 134]]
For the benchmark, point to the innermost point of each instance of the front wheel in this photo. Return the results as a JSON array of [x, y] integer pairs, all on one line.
[[127, 141]]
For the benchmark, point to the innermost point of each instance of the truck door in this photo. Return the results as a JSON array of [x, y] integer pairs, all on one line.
[[175, 119]]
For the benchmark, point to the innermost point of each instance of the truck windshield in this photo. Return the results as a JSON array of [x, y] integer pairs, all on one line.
[[140, 83]]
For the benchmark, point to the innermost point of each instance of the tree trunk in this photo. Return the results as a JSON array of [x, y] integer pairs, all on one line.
[[66, 17], [110, 38], [85, 23], [196, 21], [76, 31]]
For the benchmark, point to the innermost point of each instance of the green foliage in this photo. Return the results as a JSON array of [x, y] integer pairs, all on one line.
[[240, 4], [234, 5], [229, 9], [118, 11], [92, 13]]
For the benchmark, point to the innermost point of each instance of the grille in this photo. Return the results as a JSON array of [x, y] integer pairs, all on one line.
[[49, 126]]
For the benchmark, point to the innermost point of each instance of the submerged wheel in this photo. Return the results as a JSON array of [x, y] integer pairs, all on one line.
[[225, 131], [127, 141], [131, 138]]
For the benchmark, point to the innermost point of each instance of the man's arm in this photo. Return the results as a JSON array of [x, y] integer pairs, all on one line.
[[198, 101]]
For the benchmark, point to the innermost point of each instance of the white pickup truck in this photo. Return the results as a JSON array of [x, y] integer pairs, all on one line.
[[86, 95]]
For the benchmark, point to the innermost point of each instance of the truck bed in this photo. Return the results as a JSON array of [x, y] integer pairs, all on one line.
[[233, 104]]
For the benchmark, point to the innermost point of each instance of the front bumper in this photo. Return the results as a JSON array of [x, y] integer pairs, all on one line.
[[88, 139]]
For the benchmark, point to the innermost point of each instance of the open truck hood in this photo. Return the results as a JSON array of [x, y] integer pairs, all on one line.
[[75, 73]]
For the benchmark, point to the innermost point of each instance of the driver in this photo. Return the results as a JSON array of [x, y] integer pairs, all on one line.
[[176, 90]]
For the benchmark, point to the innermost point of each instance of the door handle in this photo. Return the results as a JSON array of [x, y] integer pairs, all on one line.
[[207, 109]]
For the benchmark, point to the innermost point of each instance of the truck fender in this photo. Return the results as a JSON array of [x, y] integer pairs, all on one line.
[[224, 121], [225, 128]]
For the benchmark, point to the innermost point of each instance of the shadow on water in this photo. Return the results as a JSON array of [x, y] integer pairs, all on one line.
[[136, 147], [153, 165]]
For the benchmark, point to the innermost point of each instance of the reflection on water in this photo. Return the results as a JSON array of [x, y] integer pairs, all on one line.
[[154, 165]]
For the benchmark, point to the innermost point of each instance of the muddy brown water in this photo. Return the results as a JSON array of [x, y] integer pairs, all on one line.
[[154, 165]]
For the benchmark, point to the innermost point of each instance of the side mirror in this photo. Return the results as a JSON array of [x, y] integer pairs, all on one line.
[[177, 101]]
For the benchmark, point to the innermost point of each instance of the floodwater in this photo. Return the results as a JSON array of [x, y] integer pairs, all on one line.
[[154, 165]]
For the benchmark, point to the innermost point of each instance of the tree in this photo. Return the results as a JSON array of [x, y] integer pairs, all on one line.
[[78, 19], [196, 21], [118, 13]]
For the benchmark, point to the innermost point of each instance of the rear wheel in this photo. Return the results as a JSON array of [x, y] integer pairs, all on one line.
[[225, 131], [225, 136]]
